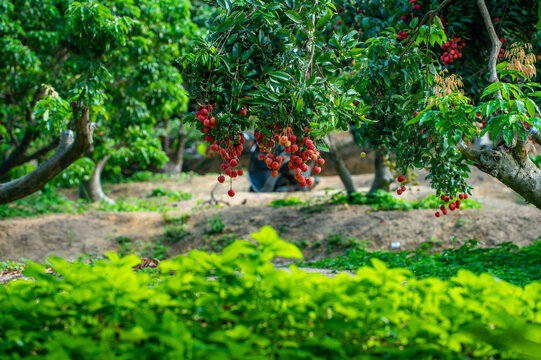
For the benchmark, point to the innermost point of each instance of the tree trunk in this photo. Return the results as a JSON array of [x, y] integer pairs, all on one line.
[[176, 157], [340, 168], [91, 190], [18, 157], [512, 167], [382, 175]]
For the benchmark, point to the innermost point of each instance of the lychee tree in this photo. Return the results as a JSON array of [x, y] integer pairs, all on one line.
[[439, 144], [421, 114], [60, 43], [141, 95]]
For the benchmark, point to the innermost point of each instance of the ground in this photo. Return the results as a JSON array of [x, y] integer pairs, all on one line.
[[320, 230]]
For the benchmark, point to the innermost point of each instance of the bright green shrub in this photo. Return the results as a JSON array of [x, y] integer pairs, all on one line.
[[238, 306]]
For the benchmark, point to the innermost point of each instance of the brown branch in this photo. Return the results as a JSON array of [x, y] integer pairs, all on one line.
[[494, 40], [70, 148]]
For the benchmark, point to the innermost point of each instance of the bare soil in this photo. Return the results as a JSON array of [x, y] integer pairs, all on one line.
[[503, 218]]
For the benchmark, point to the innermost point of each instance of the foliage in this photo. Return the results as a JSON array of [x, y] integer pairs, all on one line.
[[172, 195], [215, 225], [505, 261], [289, 201], [382, 200], [238, 306], [52, 202], [118, 51], [379, 200]]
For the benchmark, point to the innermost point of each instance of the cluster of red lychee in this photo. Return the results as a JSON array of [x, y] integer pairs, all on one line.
[[300, 151], [483, 119], [452, 50], [502, 50], [229, 149], [415, 6], [453, 205], [402, 188], [402, 35]]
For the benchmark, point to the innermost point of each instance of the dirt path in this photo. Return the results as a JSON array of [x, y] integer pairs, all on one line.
[[320, 233]]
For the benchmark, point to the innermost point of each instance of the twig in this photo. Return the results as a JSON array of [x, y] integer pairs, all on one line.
[[429, 16]]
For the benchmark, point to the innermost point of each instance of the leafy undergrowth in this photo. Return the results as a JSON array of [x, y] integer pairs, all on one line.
[[379, 200], [383, 200], [51, 202], [236, 305], [505, 261]]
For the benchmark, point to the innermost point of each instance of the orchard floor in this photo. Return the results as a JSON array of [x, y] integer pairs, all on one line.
[[502, 218]]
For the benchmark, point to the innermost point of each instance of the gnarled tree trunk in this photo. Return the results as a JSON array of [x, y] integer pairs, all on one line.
[[91, 190], [512, 167], [340, 167], [176, 156], [382, 174], [70, 148]]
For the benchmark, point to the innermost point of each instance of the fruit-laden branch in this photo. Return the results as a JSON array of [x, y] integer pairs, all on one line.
[[70, 148], [511, 165]]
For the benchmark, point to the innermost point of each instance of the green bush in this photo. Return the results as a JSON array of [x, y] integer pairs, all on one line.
[[238, 306], [383, 200]]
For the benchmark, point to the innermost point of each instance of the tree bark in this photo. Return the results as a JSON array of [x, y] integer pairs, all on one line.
[[176, 157], [512, 167], [18, 157], [382, 174], [91, 190], [70, 148], [340, 168]]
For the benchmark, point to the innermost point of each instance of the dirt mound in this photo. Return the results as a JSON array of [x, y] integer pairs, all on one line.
[[322, 230]]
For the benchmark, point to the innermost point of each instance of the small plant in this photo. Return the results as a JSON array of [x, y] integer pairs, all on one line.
[[290, 201], [175, 233], [171, 194], [215, 225], [125, 246]]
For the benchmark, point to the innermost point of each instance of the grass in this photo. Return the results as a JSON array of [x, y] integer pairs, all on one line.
[[52, 202], [505, 261], [379, 201]]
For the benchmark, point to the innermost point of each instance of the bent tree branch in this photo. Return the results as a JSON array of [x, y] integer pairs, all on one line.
[[510, 165], [70, 148]]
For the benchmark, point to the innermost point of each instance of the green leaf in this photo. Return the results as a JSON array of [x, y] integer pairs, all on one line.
[[270, 241], [300, 102], [323, 21], [294, 16], [280, 75], [530, 106]]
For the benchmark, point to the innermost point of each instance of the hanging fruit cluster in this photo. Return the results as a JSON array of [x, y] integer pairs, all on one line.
[[502, 50], [453, 205], [229, 147], [300, 150], [402, 188], [452, 50]]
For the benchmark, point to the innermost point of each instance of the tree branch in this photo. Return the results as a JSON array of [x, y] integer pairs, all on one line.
[[70, 148], [494, 40]]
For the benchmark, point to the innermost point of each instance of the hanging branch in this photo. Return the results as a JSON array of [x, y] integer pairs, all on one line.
[[429, 16]]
